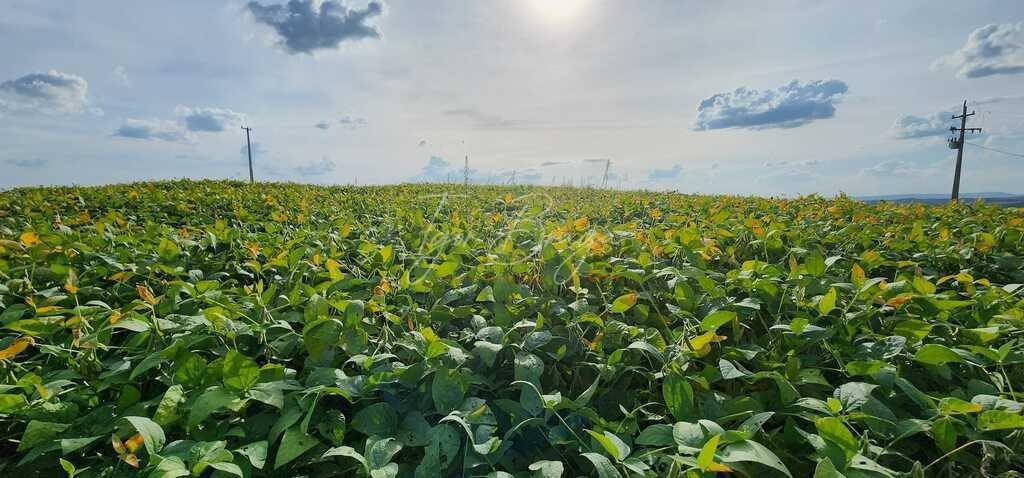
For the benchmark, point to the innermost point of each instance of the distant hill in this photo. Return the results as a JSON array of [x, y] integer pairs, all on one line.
[[1001, 198]]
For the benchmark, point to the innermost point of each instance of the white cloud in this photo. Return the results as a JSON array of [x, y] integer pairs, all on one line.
[[912, 127], [53, 92], [788, 106], [990, 50], [152, 130], [304, 26], [121, 74], [209, 119]]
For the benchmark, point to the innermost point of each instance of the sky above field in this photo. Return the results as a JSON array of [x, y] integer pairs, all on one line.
[[767, 98]]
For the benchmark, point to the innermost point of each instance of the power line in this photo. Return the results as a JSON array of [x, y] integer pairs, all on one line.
[[997, 150]]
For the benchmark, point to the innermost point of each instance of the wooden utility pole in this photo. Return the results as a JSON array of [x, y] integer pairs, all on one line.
[[248, 144], [958, 144]]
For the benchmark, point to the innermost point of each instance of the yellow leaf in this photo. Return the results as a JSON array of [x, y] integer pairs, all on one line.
[[18, 346], [719, 467], [29, 238], [146, 294], [134, 442], [69, 283], [581, 223], [115, 316], [899, 300], [857, 274]]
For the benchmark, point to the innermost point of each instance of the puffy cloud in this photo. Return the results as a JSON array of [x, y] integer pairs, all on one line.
[[422, 143], [656, 174], [911, 126], [27, 163], [436, 169], [990, 50], [52, 92], [316, 168], [323, 125], [305, 26], [788, 106], [209, 119], [153, 130]]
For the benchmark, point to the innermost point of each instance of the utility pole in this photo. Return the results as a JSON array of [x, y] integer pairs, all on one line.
[[604, 181], [248, 144], [513, 177], [465, 172], [958, 144]]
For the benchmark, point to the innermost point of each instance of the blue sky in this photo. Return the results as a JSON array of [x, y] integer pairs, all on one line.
[[769, 98]]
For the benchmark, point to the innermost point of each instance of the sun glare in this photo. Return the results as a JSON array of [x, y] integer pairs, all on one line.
[[558, 10]]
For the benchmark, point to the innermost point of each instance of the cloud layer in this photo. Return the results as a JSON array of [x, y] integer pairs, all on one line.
[[27, 163], [305, 26], [788, 106], [990, 50], [52, 92]]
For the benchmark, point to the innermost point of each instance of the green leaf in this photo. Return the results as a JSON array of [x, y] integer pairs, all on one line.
[[707, 453], [167, 410], [379, 452], [547, 469], [935, 354], [603, 466], [170, 467], [612, 444], [376, 419], [828, 301], [826, 469], [293, 445], [678, 394], [992, 420], [240, 372], [835, 431], [256, 452], [213, 399], [38, 432], [320, 338], [152, 435], [717, 319], [655, 435], [752, 452], [447, 390]]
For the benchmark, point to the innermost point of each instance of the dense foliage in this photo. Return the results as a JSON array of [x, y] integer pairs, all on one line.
[[217, 328]]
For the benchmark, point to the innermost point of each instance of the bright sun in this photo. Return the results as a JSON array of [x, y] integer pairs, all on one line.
[[558, 10]]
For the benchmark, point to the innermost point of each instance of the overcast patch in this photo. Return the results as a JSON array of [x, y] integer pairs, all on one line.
[[209, 119], [656, 174], [990, 50], [478, 119], [152, 130], [52, 92], [304, 26], [788, 106], [27, 163], [317, 168], [890, 168], [352, 122]]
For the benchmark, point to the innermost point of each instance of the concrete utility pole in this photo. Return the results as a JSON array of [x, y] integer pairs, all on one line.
[[248, 144], [958, 144], [465, 172], [604, 181]]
